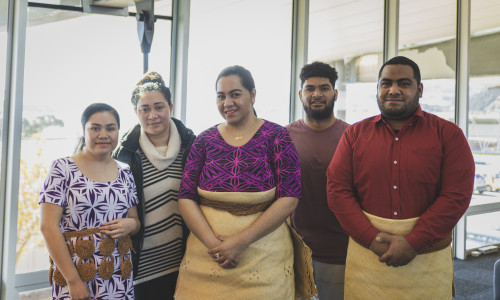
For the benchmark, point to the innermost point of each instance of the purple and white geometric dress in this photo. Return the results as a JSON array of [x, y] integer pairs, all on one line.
[[89, 204]]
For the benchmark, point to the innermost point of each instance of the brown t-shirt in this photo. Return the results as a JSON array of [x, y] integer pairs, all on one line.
[[312, 218]]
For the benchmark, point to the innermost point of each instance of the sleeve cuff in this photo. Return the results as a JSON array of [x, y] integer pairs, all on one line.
[[414, 241], [367, 237]]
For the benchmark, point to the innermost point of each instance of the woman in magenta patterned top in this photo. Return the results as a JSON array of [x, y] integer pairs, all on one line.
[[241, 181]]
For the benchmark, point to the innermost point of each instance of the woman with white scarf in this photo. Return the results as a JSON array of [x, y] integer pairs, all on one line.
[[156, 149]]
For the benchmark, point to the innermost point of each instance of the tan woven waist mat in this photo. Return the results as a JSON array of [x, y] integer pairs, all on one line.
[[428, 276], [404, 227], [84, 248], [276, 262]]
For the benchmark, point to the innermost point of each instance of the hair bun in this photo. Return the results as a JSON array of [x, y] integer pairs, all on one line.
[[151, 77]]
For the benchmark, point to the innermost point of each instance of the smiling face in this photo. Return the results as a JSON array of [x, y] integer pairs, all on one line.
[[318, 98], [154, 114], [234, 101], [101, 133], [398, 92]]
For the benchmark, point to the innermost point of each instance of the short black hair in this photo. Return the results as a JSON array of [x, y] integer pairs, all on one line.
[[98, 107], [151, 81], [403, 60], [245, 76], [318, 69]]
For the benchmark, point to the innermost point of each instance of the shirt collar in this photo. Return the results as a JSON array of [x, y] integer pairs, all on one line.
[[418, 113]]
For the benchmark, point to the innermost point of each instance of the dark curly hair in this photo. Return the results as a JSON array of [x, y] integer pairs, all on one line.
[[318, 69], [151, 81]]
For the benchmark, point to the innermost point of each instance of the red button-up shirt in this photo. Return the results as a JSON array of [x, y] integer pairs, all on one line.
[[426, 170]]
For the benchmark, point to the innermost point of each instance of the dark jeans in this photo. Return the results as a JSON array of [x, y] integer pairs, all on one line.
[[161, 288]]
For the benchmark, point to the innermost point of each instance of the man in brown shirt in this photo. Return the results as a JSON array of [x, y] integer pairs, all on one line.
[[316, 137]]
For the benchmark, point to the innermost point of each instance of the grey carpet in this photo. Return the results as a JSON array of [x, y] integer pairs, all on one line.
[[474, 277]]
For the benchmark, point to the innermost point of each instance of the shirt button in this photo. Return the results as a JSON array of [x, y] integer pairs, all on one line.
[[397, 139], [395, 187], [395, 162], [395, 213]]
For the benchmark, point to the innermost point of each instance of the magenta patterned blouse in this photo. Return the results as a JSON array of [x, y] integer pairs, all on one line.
[[268, 160]]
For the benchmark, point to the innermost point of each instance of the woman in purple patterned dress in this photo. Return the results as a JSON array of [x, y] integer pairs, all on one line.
[[241, 181], [90, 191]]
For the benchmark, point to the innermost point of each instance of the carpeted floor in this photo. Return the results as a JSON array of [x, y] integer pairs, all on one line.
[[474, 277]]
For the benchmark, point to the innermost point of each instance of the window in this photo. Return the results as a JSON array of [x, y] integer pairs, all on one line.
[[3, 58], [3, 113], [255, 34], [349, 36], [483, 230], [72, 60], [484, 119], [427, 35], [39, 294]]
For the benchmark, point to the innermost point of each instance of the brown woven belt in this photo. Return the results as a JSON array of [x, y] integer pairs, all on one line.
[[81, 233], [440, 245], [237, 209], [85, 250]]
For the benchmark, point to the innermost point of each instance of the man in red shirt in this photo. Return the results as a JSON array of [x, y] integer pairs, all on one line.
[[398, 183], [316, 137]]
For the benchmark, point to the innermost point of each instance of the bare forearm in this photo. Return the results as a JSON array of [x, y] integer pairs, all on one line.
[[132, 213], [121, 228], [227, 253], [197, 223], [137, 227], [59, 252], [56, 245]]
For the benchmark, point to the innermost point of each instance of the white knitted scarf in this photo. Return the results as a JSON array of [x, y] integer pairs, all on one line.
[[154, 155]]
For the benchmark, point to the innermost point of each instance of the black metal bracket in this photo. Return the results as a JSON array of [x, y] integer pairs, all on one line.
[[145, 27]]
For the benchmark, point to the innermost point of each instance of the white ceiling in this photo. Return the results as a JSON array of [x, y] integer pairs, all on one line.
[[343, 28], [339, 29]]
